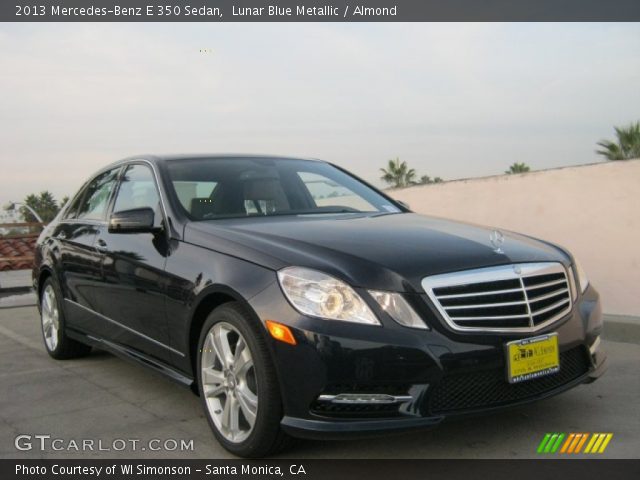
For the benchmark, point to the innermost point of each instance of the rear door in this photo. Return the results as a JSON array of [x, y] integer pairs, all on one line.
[[80, 262]]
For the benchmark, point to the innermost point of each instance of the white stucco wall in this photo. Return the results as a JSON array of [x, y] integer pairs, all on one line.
[[594, 210]]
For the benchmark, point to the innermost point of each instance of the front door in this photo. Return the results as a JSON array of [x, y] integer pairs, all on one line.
[[132, 290]]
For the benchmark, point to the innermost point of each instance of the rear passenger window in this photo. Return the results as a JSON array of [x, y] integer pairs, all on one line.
[[72, 210], [96, 198]]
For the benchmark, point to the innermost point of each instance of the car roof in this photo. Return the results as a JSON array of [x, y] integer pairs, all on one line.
[[158, 159], [212, 156]]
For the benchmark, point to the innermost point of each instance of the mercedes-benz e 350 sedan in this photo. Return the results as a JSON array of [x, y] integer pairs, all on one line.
[[299, 301]]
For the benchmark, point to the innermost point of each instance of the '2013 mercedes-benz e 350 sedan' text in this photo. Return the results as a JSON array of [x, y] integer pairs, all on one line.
[[299, 301]]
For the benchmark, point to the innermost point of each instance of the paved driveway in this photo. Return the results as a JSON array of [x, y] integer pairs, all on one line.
[[104, 398]]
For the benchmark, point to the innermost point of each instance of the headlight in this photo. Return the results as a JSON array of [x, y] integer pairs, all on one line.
[[583, 280], [320, 295], [398, 309]]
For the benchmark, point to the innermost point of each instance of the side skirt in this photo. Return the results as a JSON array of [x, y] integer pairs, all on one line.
[[133, 355]]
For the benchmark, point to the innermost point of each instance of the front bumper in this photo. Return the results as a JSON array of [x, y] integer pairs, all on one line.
[[441, 373]]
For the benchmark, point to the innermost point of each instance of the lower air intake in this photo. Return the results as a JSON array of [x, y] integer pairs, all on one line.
[[489, 388]]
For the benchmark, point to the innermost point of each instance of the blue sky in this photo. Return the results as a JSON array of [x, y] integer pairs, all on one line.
[[453, 100]]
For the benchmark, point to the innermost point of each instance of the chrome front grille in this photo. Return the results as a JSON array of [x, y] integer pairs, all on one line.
[[514, 298]]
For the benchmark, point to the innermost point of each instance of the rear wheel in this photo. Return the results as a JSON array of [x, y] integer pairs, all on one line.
[[238, 384], [52, 320]]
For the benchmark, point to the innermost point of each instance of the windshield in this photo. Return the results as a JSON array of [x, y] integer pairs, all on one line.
[[217, 188]]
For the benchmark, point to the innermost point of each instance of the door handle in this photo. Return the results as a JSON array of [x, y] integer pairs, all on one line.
[[101, 245]]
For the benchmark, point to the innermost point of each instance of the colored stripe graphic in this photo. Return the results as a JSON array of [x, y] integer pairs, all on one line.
[[554, 449], [606, 442], [567, 443], [591, 442], [581, 443], [598, 442], [574, 443], [550, 443], [543, 443]]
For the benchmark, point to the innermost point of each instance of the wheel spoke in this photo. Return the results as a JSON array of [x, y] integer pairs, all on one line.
[[47, 300], [243, 364], [234, 415], [220, 342], [248, 403], [212, 382], [226, 414], [240, 348], [46, 306], [211, 376], [51, 298], [213, 390]]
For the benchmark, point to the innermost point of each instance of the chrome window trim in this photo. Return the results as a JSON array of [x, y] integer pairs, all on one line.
[[489, 274]]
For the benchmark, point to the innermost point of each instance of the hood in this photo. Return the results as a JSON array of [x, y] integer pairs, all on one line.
[[378, 251]]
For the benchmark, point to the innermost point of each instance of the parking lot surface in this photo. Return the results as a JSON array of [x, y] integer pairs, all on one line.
[[103, 398]]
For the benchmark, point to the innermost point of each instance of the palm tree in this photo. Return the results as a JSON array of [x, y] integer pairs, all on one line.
[[427, 180], [627, 147], [398, 174], [44, 204], [518, 168]]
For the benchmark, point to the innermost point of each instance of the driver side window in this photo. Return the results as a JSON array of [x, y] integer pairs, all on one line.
[[137, 189]]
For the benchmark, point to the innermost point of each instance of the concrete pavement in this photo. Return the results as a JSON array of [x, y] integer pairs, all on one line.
[[101, 397]]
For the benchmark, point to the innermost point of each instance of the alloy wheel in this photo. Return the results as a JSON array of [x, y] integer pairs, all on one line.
[[50, 318], [229, 382]]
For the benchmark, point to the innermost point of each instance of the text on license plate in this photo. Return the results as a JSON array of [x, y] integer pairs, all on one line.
[[531, 358]]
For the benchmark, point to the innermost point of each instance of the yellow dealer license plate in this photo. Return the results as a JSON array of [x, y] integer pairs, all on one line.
[[532, 358]]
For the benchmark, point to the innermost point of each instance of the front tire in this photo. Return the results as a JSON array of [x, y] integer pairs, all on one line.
[[238, 384], [52, 321]]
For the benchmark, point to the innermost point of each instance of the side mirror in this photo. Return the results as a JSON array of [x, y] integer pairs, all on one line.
[[405, 205], [135, 220]]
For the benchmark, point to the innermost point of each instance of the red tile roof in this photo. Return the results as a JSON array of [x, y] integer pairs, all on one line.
[[17, 253]]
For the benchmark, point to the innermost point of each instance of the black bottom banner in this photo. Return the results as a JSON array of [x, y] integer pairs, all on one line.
[[320, 469]]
